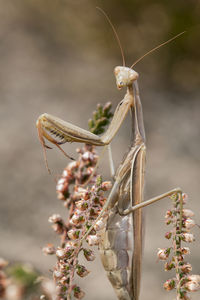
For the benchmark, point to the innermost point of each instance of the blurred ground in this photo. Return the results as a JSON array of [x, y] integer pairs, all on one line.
[[59, 58]]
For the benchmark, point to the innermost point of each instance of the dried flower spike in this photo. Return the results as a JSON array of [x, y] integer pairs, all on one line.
[[180, 219]]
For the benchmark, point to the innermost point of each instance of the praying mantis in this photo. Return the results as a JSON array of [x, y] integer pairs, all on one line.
[[121, 245]]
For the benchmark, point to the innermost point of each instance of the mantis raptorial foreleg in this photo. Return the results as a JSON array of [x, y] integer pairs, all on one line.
[[58, 132]]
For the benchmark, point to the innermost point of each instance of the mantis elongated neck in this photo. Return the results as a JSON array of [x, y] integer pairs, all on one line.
[[138, 130]]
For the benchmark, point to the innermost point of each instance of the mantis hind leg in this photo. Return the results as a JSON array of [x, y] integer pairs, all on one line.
[[148, 202]]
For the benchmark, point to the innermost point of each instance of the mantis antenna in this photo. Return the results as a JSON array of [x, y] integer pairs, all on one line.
[[157, 47], [115, 33]]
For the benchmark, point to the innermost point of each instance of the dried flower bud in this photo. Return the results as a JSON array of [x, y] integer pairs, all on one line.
[[100, 224], [93, 240], [64, 280], [55, 218], [60, 196], [77, 219], [185, 197], [49, 249], [168, 221], [185, 250], [82, 205], [168, 214], [94, 212], [89, 171], [188, 237], [192, 286], [80, 193], [169, 266], [168, 235], [3, 263], [61, 181], [89, 254], [60, 253], [88, 156], [189, 223], [106, 185], [73, 234], [81, 271], [163, 254], [187, 213], [186, 268], [57, 274], [78, 293], [195, 278], [58, 227], [71, 166], [169, 284]]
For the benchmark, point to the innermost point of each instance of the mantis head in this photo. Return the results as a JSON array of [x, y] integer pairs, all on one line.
[[124, 76]]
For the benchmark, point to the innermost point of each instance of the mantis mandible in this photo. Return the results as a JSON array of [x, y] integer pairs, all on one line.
[[121, 247]]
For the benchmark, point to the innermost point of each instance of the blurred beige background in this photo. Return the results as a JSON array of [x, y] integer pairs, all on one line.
[[58, 57]]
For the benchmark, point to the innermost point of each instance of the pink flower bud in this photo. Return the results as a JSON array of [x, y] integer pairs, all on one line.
[[100, 224], [189, 223], [78, 293], [168, 221], [187, 213], [60, 253], [59, 187], [168, 235], [195, 278], [81, 271], [60, 196], [57, 274], [185, 197], [73, 165], [169, 284], [73, 234], [89, 254], [49, 249], [55, 218], [77, 219], [93, 240], [185, 250], [61, 181], [106, 185], [188, 237], [94, 212], [192, 286], [90, 170], [58, 228], [65, 173], [82, 205], [163, 254], [64, 253], [168, 214], [186, 268], [169, 266], [80, 193], [87, 156]]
